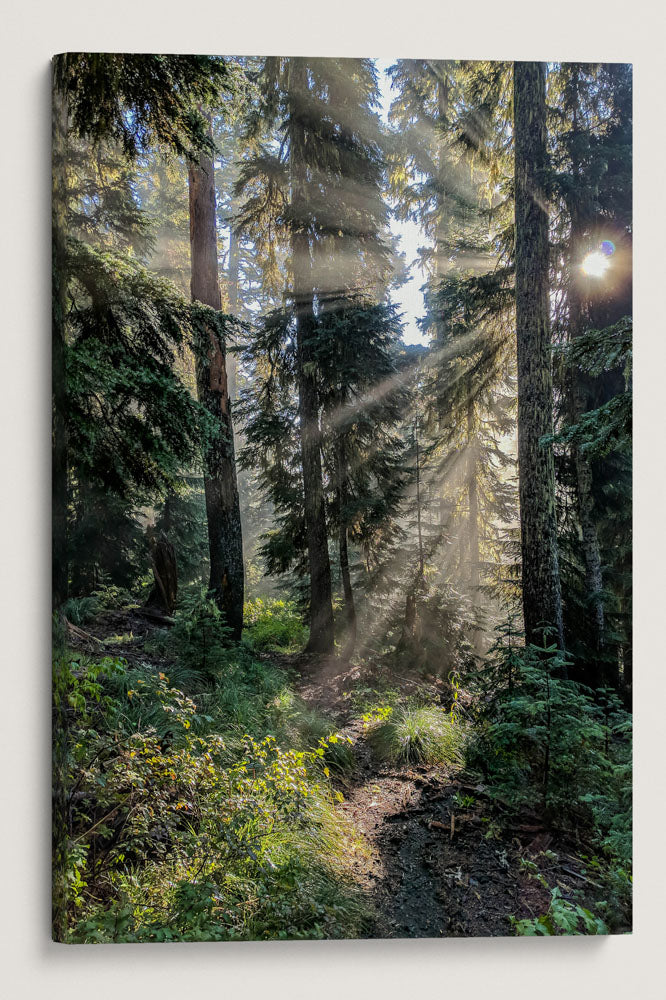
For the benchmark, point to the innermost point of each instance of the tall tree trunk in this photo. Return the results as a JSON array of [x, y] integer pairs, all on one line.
[[578, 405], [627, 645], [232, 292], [408, 635], [321, 605], [220, 486], [474, 548], [60, 573], [418, 497], [473, 497], [164, 592], [463, 546], [542, 603], [410, 631], [594, 674], [343, 498]]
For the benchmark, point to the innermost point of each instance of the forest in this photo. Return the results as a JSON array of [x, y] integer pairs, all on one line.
[[342, 498]]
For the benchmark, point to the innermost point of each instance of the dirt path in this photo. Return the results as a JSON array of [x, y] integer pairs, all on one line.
[[436, 865]]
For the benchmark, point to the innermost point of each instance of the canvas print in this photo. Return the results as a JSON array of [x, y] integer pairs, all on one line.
[[342, 621]]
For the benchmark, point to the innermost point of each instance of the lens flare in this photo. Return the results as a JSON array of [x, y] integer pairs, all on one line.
[[607, 247], [595, 264]]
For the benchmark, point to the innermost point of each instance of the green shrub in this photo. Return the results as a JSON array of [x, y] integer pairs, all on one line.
[[309, 729], [425, 735], [199, 637], [113, 598], [274, 624], [615, 882], [562, 917], [181, 827], [79, 610], [212, 851], [546, 741]]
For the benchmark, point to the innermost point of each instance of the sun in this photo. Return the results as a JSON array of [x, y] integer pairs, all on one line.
[[595, 264]]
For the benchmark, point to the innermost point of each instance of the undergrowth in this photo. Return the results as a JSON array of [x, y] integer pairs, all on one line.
[[198, 798], [563, 916], [198, 801], [550, 746], [548, 743], [274, 624]]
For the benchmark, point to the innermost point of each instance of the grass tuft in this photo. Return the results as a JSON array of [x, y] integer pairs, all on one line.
[[425, 735]]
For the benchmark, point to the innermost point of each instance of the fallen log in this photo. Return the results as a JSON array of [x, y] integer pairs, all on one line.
[[79, 636]]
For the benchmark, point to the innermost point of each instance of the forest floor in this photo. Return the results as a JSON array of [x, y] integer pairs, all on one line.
[[434, 868], [440, 860]]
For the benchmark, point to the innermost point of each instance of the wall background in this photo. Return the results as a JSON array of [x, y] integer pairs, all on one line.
[[627, 967]]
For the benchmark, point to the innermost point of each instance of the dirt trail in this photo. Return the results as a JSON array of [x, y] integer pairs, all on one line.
[[435, 866]]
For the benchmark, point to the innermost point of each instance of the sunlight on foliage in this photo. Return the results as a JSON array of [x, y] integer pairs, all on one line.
[[274, 624], [418, 736], [173, 837]]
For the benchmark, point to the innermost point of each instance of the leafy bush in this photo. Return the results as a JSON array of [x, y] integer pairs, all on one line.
[[176, 832], [308, 729], [425, 735], [614, 879], [274, 624], [376, 714], [111, 597], [562, 917]]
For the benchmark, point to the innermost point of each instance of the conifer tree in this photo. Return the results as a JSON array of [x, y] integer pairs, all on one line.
[[220, 483], [542, 603], [244, 287], [123, 371], [300, 112], [323, 195], [365, 401], [133, 101], [590, 111], [453, 187]]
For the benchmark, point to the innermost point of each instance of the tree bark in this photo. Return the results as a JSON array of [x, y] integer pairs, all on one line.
[[409, 625], [343, 497], [321, 606], [473, 497], [627, 647], [578, 404], [164, 591], [542, 603], [226, 583], [594, 674], [232, 292]]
